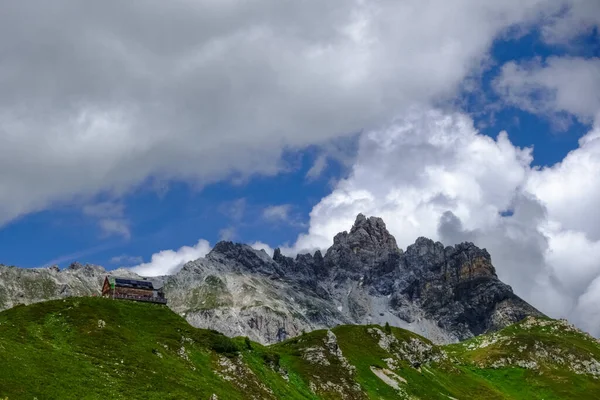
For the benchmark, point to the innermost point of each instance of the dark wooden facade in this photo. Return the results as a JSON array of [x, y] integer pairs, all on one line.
[[132, 289]]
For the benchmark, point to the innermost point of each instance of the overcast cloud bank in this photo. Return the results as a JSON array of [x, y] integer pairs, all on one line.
[[100, 97]]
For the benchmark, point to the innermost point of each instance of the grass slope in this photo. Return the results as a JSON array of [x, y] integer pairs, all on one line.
[[538, 358], [93, 348]]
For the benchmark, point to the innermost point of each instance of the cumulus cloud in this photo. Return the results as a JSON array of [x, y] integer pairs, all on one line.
[[99, 97], [263, 246], [588, 306], [417, 169], [578, 18], [168, 262], [557, 85], [432, 174], [570, 190]]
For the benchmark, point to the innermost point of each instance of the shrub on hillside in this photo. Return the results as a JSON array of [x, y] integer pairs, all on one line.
[[271, 359], [223, 345], [387, 328]]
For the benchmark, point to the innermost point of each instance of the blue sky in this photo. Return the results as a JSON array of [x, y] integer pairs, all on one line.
[[275, 124], [180, 214]]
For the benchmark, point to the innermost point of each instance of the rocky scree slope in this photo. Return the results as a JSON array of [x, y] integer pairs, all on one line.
[[97, 348], [443, 293]]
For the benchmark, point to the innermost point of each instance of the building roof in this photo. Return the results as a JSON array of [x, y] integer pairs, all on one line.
[[130, 283]]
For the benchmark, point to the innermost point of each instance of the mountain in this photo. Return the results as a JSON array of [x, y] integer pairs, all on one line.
[[445, 294], [26, 286], [97, 348]]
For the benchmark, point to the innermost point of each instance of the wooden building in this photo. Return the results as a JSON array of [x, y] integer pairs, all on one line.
[[132, 289]]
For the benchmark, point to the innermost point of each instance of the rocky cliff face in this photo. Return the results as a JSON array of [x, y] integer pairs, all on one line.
[[443, 293], [458, 287]]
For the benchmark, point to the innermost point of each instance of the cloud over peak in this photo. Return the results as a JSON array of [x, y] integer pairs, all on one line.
[[167, 262], [100, 97], [433, 174]]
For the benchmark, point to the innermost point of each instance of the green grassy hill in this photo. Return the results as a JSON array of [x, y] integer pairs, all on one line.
[[92, 348]]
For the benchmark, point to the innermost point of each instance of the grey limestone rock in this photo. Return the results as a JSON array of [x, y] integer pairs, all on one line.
[[443, 293]]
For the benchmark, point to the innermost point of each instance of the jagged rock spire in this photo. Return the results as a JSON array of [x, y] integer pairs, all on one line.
[[243, 257], [371, 233], [369, 248]]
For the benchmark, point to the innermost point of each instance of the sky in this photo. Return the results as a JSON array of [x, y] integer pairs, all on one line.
[[139, 134]]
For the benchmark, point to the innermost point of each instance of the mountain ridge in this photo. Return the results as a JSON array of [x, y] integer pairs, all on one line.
[[445, 293]]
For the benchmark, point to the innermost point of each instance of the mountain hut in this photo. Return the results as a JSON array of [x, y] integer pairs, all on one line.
[[132, 289]]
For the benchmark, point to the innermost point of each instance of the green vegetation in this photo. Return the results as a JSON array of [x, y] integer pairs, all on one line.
[[94, 348], [562, 361], [247, 343]]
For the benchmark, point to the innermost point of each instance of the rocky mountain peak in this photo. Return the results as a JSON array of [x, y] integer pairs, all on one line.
[[87, 269], [225, 247], [426, 252], [362, 221], [472, 250], [54, 268], [243, 257], [368, 234], [304, 268], [278, 257], [367, 248], [75, 266]]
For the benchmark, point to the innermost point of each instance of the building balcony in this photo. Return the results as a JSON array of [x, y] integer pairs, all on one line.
[[147, 299]]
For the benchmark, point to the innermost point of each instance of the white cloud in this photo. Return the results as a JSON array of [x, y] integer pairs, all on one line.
[[317, 168], [110, 218], [432, 174], [579, 18], [559, 84], [105, 209], [414, 171], [277, 213], [202, 91], [263, 246], [572, 259], [570, 190], [117, 227], [168, 262], [588, 306]]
